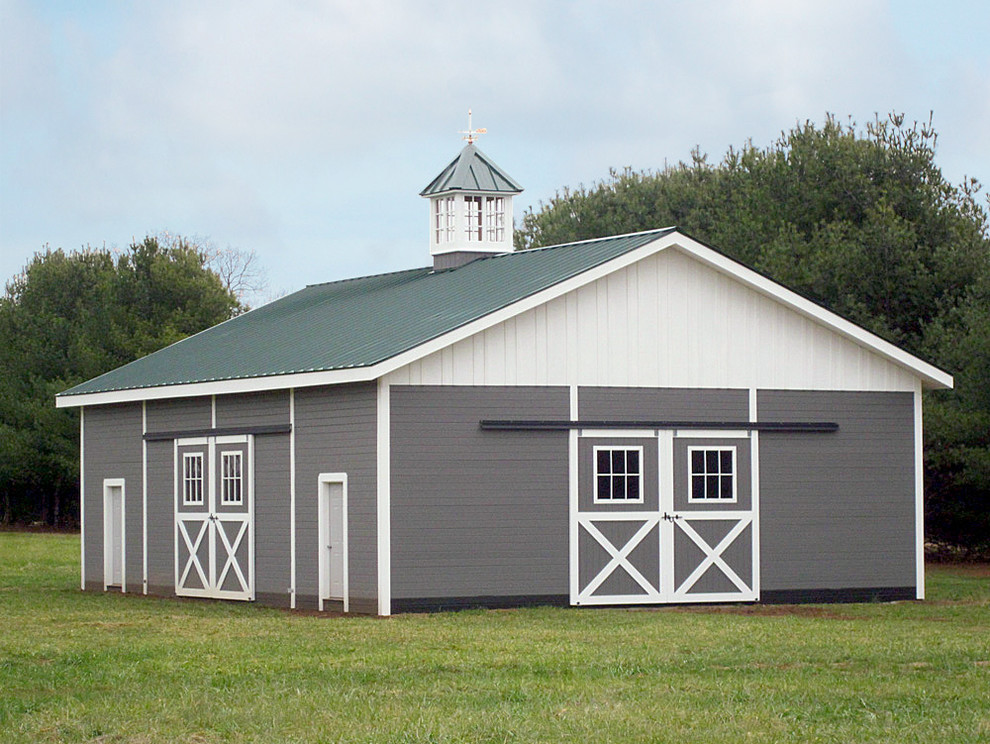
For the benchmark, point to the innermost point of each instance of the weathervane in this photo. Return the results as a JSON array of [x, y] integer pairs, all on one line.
[[472, 134]]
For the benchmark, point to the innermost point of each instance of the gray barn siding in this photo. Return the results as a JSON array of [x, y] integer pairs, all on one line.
[[113, 450], [477, 513], [670, 404], [336, 432], [161, 517], [837, 510], [271, 516], [179, 414], [253, 409]]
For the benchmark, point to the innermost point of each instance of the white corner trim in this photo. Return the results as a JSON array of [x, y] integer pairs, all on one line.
[[384, 531], [572, 497], [144, 498], [919, 494], [292, 498], [82, 498]]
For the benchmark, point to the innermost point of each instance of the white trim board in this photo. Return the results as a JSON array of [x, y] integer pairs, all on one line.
[[930, 375], [82, 499], [919, 497], [384, 499]]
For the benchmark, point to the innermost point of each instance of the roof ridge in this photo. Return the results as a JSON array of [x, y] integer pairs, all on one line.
[[580, 242], [368, 276]]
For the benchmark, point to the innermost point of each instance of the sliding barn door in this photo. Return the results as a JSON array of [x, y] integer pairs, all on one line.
[[214, 510]]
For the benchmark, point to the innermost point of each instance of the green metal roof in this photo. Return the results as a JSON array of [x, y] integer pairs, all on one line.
[[360, 322], [472, 170]]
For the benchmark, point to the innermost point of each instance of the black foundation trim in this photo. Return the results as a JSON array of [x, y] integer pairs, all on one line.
[[230, 431], [444, 604], [827, 596], [785, 426]]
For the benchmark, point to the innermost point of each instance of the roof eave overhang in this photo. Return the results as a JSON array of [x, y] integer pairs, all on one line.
[[463, 190], [931, 377]]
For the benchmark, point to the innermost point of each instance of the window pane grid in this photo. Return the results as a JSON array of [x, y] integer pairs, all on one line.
[[443, 219], [712, 474], [192, 478], [472, 217], [495, 218], [231, 482], [618, 476]]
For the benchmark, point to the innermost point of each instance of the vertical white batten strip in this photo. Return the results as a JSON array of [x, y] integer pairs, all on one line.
[[175, 514], [384, 501], [82, 498], [754, 450], [572, 495], [123, 537], [665, 470], [252, 547], [144, 498], [919, 494], [213, 412], [292, 498], [211, 488]]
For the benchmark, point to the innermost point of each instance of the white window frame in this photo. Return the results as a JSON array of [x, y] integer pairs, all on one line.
[[614, 448], [691, 474], [443, 219], [474, 226], [494, 218], [237, 480], [187, 481]]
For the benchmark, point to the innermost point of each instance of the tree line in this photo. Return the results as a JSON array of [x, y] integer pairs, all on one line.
[[69, 317], [859, 219], [863, 221]]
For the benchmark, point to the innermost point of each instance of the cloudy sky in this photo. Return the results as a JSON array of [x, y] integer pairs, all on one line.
[[305, 130]]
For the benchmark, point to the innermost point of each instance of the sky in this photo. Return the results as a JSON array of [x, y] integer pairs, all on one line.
[[304, 130]]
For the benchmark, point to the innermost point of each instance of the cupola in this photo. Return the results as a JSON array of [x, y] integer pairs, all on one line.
[[470, 207]]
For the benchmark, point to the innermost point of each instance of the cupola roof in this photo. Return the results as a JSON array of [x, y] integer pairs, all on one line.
[[472, 170]]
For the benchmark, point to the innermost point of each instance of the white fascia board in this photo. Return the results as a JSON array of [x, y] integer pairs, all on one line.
[[931, 375], [219, 387]]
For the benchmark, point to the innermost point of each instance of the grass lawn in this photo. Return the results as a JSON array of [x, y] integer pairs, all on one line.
[[109, 668]]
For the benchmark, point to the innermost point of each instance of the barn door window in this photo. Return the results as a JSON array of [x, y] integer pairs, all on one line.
[[713, 474], [618, 474], [231, 478], [192, 478]]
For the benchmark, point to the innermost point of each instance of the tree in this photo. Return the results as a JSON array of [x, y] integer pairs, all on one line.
[[239, 270], [862, 221], [69, 317]]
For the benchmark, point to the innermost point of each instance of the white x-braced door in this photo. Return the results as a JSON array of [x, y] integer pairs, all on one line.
[[214, 517], [665, 516]]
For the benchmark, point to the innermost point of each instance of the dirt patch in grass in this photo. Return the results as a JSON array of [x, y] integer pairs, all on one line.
[[969, 570], [789, 610]]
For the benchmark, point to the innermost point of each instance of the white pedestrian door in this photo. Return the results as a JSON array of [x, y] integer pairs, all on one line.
[[113, 534], [333, 541], [214, 517], [666, 516]]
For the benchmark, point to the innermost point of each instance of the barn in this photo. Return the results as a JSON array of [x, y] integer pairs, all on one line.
[[636, 419]]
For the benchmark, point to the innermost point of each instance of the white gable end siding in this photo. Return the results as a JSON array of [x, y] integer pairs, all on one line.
[[666, 321]]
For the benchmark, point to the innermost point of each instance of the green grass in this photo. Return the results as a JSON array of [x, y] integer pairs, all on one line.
[[109, 668]]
